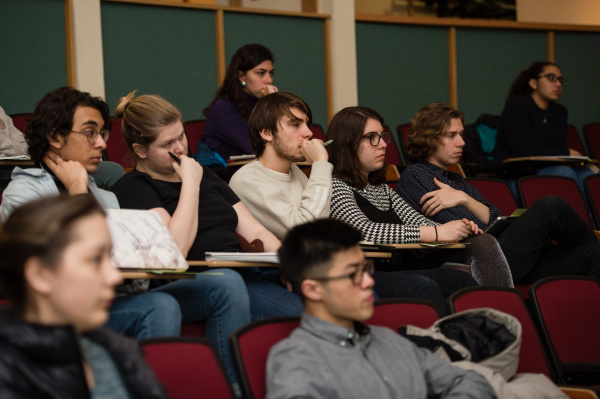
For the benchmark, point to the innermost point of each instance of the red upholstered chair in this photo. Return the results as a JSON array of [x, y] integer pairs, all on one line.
[[317, 131], [250, 346], [592, 189], [532, 188], [392, 156], [395, 313], [532, 358], [194, 130], [21, 120], [116, 147], [402, 131], [567, 309], [187, 367], [574, 140], [591, 132], [496, 191]]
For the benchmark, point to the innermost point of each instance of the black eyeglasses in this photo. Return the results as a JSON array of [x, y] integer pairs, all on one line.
[[375, 138], [356, 277], [553, 78], [92, 134]]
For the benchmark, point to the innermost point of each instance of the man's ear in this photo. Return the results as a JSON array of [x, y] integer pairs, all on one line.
[[266, 135], [140, 151], [533, 83], [37, 275], [56, 140], [312, 290]]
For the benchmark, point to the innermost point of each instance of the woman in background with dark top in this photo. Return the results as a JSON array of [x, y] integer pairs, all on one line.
[[57, 273], [534, 124], [249, 77]]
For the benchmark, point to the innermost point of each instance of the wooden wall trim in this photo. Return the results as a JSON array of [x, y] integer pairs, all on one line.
[[328, 68], [472, 23], [181, 4], [220, 46], [452, 68], [550, 46], [69, 43]]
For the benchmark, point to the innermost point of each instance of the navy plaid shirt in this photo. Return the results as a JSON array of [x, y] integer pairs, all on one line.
[[417, 180]]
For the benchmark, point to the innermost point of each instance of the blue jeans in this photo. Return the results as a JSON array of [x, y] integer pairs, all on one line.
[[268, 298], [218, 296], [148, 315]]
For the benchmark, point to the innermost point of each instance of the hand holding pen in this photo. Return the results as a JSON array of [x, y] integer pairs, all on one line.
[[314, 150], [187, 169]]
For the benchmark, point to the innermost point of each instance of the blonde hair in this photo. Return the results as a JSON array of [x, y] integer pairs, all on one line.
[[142, 118]]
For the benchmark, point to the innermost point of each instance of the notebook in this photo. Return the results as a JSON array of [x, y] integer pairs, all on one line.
[[141, 240]]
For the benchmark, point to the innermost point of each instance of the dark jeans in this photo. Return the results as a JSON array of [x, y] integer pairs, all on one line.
[[528, 247], [434, 284]]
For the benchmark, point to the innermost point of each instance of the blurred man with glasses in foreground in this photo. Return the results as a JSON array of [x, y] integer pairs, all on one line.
[[332, 354]]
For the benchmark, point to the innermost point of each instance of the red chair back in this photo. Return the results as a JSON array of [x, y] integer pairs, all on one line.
[[21, 120], [592, 189], [116, 147], [392, 156], [532, 188], [591, 132], [402, 131], [187, 367], [250, 346], [317, 132], [194, 130], [532, 358], [395, 313], [496, 191], [568, 310], [574, 140]]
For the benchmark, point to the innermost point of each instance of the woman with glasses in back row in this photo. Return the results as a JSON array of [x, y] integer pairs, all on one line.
[[534, 124]]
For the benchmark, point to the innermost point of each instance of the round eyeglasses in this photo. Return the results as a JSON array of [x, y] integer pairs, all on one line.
[[92, 134], [356, 277], [553, 78], [375, 138]]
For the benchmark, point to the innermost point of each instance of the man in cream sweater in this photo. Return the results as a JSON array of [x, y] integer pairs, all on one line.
[[273, 187]]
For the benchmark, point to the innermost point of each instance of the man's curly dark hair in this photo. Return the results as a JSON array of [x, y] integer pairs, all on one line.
[[54, 115]]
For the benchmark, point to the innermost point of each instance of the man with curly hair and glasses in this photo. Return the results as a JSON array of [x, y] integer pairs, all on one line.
[[65, 138]]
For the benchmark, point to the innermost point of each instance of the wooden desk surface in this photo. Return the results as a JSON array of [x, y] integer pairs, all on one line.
[[225, 264], [556, 159], [14, 162]]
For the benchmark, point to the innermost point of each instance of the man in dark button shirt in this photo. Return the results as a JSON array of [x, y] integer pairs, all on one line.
[[435, 142], [332, 354]]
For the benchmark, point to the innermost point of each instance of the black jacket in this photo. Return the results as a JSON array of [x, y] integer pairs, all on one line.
[[38, 361]]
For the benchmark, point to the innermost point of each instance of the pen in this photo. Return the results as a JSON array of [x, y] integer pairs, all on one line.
[[175, 157], [327, 142]]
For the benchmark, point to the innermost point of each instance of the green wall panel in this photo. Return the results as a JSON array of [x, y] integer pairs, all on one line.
[[160, 50], [32, 44], [488, 62], [400, 69], [578, 57], [297, 46]]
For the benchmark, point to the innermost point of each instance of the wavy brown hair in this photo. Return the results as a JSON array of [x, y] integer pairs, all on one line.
[[427, 129], [346, 129]]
